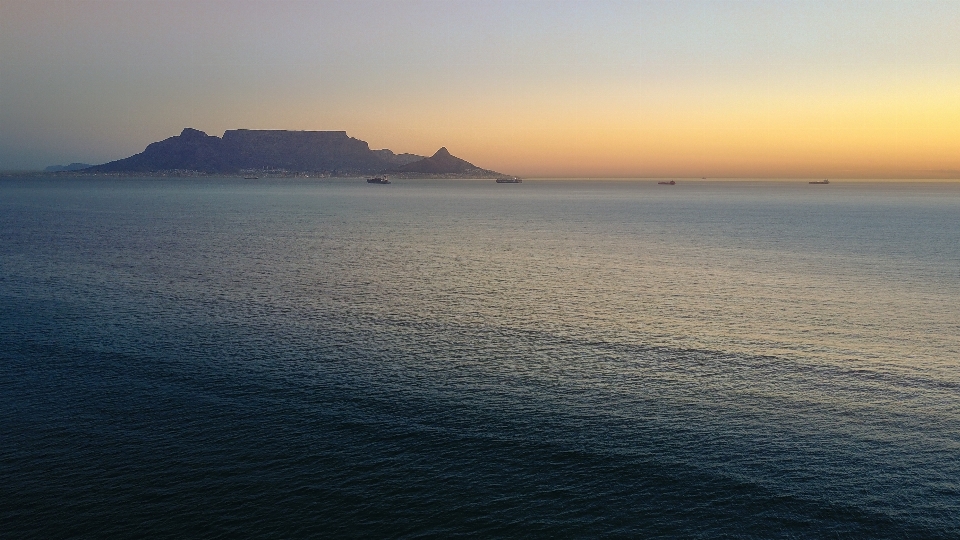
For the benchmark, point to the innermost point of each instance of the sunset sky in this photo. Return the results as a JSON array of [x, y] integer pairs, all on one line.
[[535, 88]]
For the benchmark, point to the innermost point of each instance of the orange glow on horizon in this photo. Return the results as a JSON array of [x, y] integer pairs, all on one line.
[[689, 89]]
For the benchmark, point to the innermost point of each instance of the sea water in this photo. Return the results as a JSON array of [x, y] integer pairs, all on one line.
[[222, 357]]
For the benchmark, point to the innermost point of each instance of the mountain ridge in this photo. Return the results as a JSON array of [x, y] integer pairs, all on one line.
[[443, 162], [327, 153], [67, 168]]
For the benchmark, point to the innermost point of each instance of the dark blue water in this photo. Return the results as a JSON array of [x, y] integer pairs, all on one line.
[[222, 357]]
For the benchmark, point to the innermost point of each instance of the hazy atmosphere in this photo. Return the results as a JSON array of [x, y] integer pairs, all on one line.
[[713, 88], [403, 269]]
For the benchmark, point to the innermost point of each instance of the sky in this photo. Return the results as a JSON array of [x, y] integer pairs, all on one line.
[[715, 88]]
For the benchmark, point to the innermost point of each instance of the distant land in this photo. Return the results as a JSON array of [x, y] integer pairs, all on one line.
[[442, 162], [70, 167], [245, 151]]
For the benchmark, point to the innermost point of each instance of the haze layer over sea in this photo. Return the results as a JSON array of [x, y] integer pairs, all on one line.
[[289, 358]]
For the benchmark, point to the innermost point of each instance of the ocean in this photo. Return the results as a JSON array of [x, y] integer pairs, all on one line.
[[221, 357]]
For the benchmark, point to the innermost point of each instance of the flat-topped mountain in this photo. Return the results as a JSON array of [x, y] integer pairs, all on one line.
[[325, 152], [331, 152]]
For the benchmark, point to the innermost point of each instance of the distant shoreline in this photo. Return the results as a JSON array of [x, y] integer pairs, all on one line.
[[258, 174], [449, 176]]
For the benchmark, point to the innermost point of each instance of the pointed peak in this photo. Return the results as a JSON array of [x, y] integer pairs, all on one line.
[[190, 132], [442, 152]]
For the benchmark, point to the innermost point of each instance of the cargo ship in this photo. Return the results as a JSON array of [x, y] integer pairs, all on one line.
[[513, 180], [670, 183], [378, 180], [824, 181]]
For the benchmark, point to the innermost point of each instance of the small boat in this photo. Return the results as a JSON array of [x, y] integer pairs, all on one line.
[[378, 180], [670, 183], [513, 180], [824, 181]]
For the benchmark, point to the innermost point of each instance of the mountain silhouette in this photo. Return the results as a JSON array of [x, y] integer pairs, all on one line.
[[443, 162], [67, 168], [329, 152]]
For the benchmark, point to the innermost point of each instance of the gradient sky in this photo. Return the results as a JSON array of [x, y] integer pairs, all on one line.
[[535, 88]]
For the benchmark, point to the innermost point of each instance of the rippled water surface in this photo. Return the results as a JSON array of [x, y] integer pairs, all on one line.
[[223, 357]]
